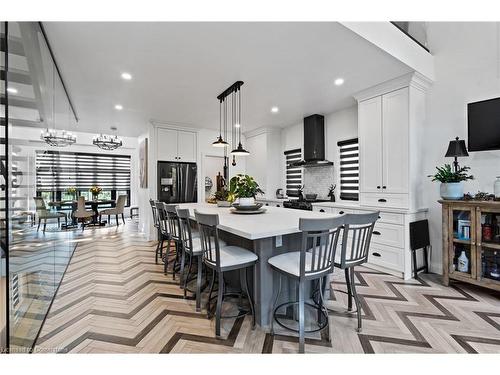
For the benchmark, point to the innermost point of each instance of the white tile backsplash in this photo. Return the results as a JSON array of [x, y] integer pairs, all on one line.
[[317, 180]]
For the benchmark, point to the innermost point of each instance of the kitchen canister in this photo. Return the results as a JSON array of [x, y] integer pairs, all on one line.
[[497, 187]]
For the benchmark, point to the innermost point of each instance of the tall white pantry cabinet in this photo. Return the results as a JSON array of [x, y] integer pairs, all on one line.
[[390, 122]]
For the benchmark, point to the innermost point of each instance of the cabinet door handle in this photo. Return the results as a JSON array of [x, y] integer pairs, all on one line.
[[341, 212], [382, 200], [267, 204], [376, 254], [384, 187], [377, 233], [379, 217], [321, 210], [278, 205], [378, 187]]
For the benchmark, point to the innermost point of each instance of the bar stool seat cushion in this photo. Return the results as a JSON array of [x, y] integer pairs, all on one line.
[[290, 263], [231, 256]]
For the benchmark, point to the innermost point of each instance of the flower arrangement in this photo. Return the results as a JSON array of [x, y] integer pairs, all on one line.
[[72, 191], [95, 190]]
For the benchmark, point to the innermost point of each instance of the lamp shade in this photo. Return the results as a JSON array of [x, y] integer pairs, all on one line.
[[456, 148]]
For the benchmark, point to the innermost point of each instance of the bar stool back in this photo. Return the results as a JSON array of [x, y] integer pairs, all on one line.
[[156, 224], [356, 239], [163, 228], [192, 248], [175, 234], [314, 261], [222, 259]]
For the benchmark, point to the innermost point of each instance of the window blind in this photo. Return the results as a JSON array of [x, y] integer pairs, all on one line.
[[293, 174], [59, 170], [349, 169]]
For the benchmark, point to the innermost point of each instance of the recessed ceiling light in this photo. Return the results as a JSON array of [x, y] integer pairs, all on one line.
[[119, 107], [275, 109], [126, 76], [12, 90], [339, 82]]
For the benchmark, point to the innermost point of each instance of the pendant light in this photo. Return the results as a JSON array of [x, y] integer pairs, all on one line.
[[239, 151], [220, 142]]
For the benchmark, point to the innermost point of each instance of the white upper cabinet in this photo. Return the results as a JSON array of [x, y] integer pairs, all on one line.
[[390, 118], [176, 145], [395, 141], [186, 150], [370, 137]]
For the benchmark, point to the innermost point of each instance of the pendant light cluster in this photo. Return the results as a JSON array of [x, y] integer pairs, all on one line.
[[107, 142], [230, 101]]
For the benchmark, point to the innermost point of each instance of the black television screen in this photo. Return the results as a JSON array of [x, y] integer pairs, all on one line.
[[484, 125]]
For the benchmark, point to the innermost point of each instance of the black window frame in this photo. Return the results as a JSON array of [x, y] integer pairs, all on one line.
[[348, 149], [293, 175]]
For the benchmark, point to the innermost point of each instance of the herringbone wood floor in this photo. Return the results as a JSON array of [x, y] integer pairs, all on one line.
[[114, 298]]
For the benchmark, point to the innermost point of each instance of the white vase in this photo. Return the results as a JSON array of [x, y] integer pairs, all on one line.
[[247, 201], [452, 190], [497, 187]]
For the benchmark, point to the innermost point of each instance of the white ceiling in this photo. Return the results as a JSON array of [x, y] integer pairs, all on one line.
[[179, 69]]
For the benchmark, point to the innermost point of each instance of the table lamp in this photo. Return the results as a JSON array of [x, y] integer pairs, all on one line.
[[456, 149]]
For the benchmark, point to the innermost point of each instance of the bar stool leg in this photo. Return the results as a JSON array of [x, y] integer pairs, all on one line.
[[181, 273], [301, 317], [220, 298], [349, 289], [198, 284], [323, 307], [165, 265], [243, 279], [187, 276], [273, 310], [212, 282], [356, 300]]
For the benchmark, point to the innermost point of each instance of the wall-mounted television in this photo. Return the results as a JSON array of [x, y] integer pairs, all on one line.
[[484, 125]]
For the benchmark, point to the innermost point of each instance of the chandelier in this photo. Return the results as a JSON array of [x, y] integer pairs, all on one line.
[[230, 104], [51, 137], [107, 142]]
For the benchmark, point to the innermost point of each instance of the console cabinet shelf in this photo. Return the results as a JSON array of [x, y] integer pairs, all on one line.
[[472, 227]]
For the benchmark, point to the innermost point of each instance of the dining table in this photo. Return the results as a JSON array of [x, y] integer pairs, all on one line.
[[94, 204], [271, 233]]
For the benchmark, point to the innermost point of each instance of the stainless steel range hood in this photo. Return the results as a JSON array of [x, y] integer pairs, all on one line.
[[314, 143]]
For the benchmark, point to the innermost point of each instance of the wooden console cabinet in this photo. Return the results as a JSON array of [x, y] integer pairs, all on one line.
[[473, 227]]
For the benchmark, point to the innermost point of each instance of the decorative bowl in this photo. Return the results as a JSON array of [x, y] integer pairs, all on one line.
[[253, 207]]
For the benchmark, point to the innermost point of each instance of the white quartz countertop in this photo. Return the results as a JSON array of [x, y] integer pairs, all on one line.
[[274, 222], [356, 206]]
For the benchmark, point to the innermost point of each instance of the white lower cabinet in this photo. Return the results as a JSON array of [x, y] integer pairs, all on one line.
[[390, 247]]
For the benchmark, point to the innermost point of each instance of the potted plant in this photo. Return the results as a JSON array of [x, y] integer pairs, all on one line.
[[245, 188], [451, 181], [95, 190], [222, 197]]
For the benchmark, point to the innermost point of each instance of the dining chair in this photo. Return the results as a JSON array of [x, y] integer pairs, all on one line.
[[222, 259], [356, 240], [117, 210], [313, 262], [82, 214], [44, 214]]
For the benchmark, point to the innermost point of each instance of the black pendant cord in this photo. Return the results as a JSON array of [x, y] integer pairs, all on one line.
[[239, 113], [234, 130]]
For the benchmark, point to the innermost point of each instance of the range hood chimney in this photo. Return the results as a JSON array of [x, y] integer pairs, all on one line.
[[314, 142]]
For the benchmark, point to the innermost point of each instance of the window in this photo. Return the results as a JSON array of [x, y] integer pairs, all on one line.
[[56, 171], [293, 174], [349, 169]]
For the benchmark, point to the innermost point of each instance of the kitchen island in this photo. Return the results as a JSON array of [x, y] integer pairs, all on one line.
[[272, 233]]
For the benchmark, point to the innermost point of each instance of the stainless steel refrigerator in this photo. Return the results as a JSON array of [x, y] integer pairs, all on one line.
[[177, 182]]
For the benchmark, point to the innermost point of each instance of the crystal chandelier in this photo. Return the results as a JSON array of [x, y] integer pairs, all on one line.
[[107, 142], [51, 137]]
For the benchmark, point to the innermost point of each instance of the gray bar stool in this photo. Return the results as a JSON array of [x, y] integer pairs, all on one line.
[[356, 239], [223, 259], [175, 236], [191, 246], [313, 262], [156, 224]]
